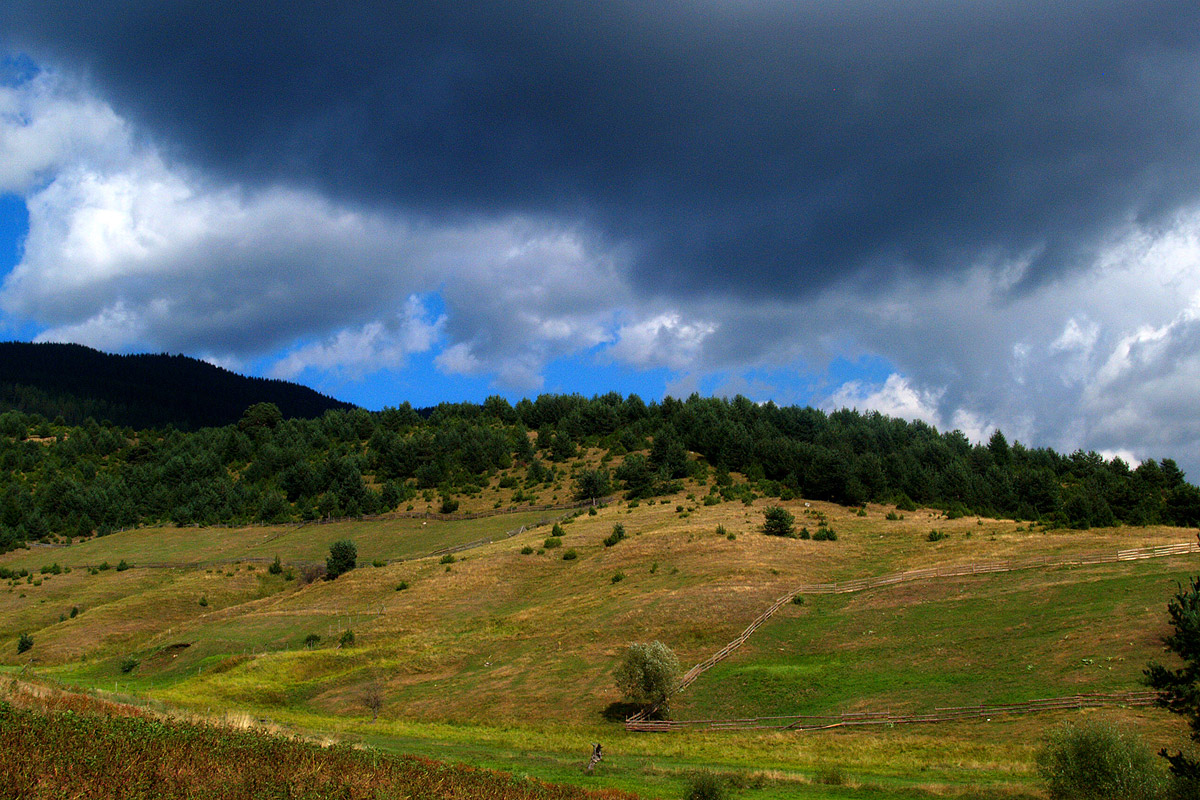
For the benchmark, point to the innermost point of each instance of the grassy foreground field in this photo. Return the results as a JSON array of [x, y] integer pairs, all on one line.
[[504, 659]]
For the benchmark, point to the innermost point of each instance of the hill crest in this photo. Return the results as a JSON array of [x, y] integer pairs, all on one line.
[[141, 390]]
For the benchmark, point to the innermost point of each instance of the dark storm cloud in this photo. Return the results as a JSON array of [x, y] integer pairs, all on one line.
[[743, 147]]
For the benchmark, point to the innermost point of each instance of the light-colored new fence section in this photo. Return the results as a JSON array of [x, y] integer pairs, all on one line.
[[859, 718], [860, 584]]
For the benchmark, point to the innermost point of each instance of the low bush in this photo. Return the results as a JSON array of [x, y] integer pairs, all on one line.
[[401, 586], [129, 664], [312, 640], [448, 559], [937, 536], [569, 555], [893, 516], [552, 542], [276, 567], [347, 639], [122, 566], [618, 577], [1097, 761], [526, 550], [618, 533], [24, 643], [705, 786], [312, 572], [831, 776]]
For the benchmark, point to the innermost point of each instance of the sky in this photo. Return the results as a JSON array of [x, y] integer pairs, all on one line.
[[981, 214]]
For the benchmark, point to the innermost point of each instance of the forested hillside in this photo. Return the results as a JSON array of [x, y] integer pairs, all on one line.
[[141, 391], [64, 480]]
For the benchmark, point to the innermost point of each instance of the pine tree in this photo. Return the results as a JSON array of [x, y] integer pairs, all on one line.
[[1179, 689]]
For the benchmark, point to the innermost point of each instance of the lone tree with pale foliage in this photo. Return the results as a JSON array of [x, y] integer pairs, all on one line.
[[778, 521], [648, 674], [373, 698]]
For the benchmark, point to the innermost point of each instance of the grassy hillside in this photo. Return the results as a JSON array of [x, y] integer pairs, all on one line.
[[505, 658], [97, 749]]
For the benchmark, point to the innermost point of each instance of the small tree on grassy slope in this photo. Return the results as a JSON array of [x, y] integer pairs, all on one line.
[[778, 521], [1179, 689], [343, 557], [648, 673]]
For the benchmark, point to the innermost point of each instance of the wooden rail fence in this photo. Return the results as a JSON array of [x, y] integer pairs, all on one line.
[[801, 722], [861, 584]]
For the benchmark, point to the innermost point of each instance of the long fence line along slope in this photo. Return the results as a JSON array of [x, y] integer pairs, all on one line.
[[802, 722], [934, 573]]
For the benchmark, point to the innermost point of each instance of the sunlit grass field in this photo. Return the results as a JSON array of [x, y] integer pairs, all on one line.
[[505, 659]]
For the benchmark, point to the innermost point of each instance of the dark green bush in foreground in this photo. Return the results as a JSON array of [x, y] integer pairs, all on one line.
[[1097, 761]]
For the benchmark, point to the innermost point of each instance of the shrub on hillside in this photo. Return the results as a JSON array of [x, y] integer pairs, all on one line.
[[552, 542], [570, 555], [1097, 761], [347, 639], [276, 567], [312, 572], [24, 643], [778, 521], [447, 559], [824, 534], [129, 664], [343, 557], [618, 533], [705, 786]]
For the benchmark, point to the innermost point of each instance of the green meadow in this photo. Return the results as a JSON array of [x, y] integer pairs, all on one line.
[[504, 659]]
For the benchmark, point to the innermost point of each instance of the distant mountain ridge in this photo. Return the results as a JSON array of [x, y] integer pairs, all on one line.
[[141, 391]]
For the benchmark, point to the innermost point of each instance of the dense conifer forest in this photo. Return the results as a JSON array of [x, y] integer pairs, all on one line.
[[78, 480], [142, 391]]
